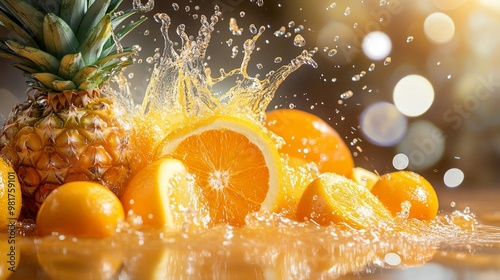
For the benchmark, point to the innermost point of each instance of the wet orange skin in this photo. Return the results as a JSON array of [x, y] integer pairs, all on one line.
[[309, 137]]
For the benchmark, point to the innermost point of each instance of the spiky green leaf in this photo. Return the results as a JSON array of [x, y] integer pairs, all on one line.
[[104, 62], [70, 65], [92, 18], [51, 6], [43, 61], [28, 15], [46, 79], [116, 20], [114, 5], [63, 85], [11, 25], [25, 68], [91, 47], [72, 12], [85, 74], [6, 52], [58, 37], [119, 35]]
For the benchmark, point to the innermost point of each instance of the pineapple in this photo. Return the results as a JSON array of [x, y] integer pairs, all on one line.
[[68, 129]]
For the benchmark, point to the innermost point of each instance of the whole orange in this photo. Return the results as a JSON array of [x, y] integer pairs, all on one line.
[[394, 188], [309, 137], [82, 209]]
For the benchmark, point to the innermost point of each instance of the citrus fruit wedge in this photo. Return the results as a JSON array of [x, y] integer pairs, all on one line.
[[297, 175], [161, 195], [235, 164], [364, 177], [334, 199]]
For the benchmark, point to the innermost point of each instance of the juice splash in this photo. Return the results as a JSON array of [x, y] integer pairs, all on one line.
[[182, 83], [269, 246]]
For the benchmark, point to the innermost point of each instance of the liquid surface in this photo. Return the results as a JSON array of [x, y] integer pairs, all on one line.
[[269, 247]]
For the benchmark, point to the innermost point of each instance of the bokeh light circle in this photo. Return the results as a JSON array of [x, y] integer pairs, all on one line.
[[400, 161], [453, 177], [377, 45], [392, 259], [424, 144], [413, 95], [439, 28], [383, 124]]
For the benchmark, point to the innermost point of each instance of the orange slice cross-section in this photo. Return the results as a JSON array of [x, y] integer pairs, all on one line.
[[234, 162]]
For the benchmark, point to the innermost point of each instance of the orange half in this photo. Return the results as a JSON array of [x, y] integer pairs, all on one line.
[[234, 162]]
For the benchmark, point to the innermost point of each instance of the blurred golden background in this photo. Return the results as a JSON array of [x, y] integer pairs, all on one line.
[[408, 84]]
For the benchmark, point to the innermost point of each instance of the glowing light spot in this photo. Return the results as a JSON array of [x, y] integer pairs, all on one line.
[[439, 28], [383, 124], [481, 24], [413, 95], [377, 45], [453, 177], [449, 4], [392, 259], [424, 144], [400, 161], [495, 4]]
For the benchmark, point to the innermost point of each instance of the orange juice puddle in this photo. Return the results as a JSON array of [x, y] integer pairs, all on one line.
[[269, 246]]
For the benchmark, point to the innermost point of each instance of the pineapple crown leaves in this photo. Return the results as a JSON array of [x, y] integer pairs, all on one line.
[[66, 44]]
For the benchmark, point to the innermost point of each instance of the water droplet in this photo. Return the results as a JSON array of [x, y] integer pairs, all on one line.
[[448, 77], [280, 32], [409, 39], [187, 9], [260, 3], [234, 28], [356, 78], [260, 66], [383, 2], [347, 11], [253, 29], [291, 106], [291, 24], [387, 61], [334, 80], [229, 42], [371, 67], [299, 41], [242, 14], [346, 95], [130, 75], [333, 5], [234, 51], [332, 52], [453, 204], [278, 59], [299, 29], [146, 32], [175, 6]]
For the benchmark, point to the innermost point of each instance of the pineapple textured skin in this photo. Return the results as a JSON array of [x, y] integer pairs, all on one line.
[[49, 148], [68, 129]]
